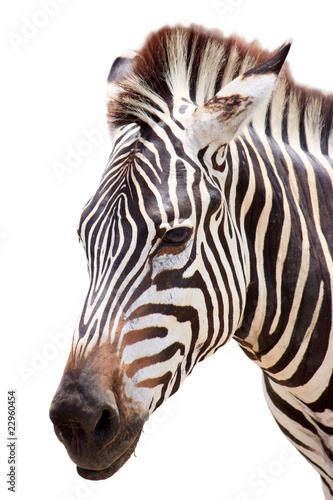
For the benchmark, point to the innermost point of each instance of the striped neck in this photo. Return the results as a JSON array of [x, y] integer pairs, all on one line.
[[289, 292]]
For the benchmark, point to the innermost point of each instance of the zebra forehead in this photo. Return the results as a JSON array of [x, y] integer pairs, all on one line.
[[142, 177]]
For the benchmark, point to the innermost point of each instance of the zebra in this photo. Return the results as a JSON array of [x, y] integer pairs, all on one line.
[[212, 221]]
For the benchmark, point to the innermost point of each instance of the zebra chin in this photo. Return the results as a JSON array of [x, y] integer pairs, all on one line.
[[99, 474]]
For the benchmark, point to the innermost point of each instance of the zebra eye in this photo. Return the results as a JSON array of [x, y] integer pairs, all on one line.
[[177, 236]]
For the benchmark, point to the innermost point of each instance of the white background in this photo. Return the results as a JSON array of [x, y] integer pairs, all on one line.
[[215, 438]]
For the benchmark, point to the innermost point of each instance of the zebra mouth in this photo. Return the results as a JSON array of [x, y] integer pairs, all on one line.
[[97, 475]]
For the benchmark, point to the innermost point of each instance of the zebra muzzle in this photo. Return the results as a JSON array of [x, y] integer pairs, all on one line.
[[97, 435]]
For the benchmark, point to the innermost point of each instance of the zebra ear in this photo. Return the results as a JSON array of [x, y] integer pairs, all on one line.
[[120, 70], [222, 118]]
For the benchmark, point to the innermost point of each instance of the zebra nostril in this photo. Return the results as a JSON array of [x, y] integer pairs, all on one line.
[[106, 427], [91, 416], [103, 423]]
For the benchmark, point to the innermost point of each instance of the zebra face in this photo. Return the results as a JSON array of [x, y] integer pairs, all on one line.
[[168, 272], [149, 233]]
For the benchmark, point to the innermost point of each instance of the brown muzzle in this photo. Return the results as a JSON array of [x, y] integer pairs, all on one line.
[[99, 433]]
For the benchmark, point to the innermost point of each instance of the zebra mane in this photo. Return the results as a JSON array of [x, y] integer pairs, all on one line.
[[196, 63]]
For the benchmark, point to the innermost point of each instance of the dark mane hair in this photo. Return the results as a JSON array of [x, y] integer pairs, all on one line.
[[197, 63]]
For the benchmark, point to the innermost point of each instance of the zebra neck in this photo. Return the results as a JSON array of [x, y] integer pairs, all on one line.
[[289, 244]]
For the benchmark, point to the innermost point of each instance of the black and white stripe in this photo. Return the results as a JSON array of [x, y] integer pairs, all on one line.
[[252, 258]]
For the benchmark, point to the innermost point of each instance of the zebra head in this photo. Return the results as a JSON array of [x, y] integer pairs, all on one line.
[[163, 234]]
